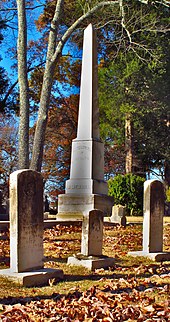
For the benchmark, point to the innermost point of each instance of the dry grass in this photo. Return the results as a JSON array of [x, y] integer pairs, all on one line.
[[132, 288]]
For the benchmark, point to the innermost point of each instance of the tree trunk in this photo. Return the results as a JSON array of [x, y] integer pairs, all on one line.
[[23, 86], [167, 174], [53, 55], [129, 144], [39, 138]]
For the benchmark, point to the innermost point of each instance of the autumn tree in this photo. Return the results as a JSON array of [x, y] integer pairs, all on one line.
[[61, 129], [137, 85], [62, 121], [8, 150]]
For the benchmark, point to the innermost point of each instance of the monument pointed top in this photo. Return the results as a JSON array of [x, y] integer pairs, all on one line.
[[88, 120], [89, 26]]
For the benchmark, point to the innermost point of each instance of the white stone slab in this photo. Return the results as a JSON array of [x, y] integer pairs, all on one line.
[[33, 278], [92, 262], [158, 257]]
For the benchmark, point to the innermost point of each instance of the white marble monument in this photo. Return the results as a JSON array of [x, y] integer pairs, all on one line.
[[154, 208], [86, 189]]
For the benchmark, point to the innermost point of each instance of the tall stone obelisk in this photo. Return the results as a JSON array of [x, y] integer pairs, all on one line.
[[86, 188]]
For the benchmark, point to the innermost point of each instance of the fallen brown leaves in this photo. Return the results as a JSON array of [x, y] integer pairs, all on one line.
[[112, 303], [61, 240], [4, 248], [132, 290]]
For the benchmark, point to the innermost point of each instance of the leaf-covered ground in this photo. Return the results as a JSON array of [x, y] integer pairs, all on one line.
[[134, 289]]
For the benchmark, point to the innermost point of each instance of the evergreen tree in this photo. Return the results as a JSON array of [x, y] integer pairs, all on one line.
[[137, 84]]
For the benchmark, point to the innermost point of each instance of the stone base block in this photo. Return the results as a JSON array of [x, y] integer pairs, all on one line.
[[46, 214], [91, 262], [74, 207], [157, 257], [120, 221], [69, 217], [33, 278]]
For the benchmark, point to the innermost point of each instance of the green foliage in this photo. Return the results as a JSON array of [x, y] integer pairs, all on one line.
[[168, 195], [127, 190], [130, 85]]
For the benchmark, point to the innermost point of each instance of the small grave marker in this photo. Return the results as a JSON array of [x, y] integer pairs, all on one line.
[[154, 208], [91, 243], [118, 215]]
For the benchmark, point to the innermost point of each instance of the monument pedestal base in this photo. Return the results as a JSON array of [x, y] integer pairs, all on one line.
[[91, 262], [32, 278], [73, 207], [157, 256]]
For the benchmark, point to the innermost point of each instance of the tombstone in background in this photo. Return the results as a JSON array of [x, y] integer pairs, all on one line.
[[46, 204], [46, 208], [4, 209], [118, 215], [91, 243], [154, 208], [26, 231], [86, 189]]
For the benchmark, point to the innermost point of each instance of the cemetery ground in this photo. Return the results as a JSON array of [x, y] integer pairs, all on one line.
[[134, 289]]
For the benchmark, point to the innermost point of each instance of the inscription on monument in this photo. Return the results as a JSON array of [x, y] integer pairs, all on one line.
[[81, 153], [77, 186]]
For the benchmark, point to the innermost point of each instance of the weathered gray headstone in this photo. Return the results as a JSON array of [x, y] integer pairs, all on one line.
[[26, 230], [91, 243], [26, 218], [92, 234], [154, 208]]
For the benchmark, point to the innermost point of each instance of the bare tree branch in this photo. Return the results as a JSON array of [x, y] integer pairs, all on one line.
[[122, 13], [27, 8], [78, 22], [163, 2]]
